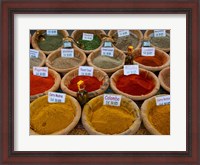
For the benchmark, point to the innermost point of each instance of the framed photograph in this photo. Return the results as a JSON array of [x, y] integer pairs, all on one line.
[[26, 23]]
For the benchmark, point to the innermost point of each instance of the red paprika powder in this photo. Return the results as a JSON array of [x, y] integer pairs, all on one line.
[[135, 84], [149, 60], [91, 83], [40, 84]]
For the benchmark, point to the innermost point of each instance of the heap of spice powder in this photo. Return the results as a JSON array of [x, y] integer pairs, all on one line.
[[51, 42], [106, 62], [122, 43], [149, 60], [111, 119], [161, 42], [90, 45], [63, 63], [159, 117], [35, 62], [136, 85], [91, 83], [48, 118], [40, 84]]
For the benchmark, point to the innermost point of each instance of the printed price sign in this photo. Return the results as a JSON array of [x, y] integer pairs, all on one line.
[[33, 53], [67, 44], [122, 33], [148, 51], [159, 33], [88, 36], [131, 69], [40, 71], [107, 52], [67, 53], [52, 32], [85, 71], [163, 100], [111, 99], [107, 44], [55, 97]]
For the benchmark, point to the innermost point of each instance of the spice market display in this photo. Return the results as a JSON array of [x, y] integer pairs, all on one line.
[[100, 82]]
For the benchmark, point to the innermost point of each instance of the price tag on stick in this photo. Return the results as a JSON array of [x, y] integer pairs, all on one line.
[[159, 33], [122, 33], [33, 53], [107, 51], [163, 100], [148, 51], [88, 36], [112, 99], [131, 69], [55, 97], [67, 53], [40, 71], [85, 71], [52, 32]]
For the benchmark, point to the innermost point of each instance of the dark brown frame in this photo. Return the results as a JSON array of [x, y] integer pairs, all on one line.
[[11, 7]]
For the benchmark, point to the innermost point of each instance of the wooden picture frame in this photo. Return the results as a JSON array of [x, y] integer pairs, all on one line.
[[188, 7]]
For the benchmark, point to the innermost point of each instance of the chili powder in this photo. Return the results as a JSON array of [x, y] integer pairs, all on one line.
[[149, 60]]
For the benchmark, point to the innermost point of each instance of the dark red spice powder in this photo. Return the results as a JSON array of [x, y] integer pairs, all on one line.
[[149, 60], [91, 83], [135, 84], [40, 84]]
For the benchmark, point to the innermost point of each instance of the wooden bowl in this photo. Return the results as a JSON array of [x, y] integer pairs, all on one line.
[[54, 88], [76, 35], [100, 75], [42, 57], [149, 75], [42, 101], [164, 78], [97, 102], [163, 57], [35, 41]]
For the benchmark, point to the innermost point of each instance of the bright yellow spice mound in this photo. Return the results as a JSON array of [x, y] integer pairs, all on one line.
[[47, 118], [111, 119], [159, 116]]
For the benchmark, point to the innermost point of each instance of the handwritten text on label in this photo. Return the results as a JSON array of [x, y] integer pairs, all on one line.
[[67, 53], [122, 33], [52, 32], [150, 51], [55, 97], [40, 71], [88, 36], [163, 100], [159, 33], [131, 69], [33, 53], [85, 71], [107, 52]]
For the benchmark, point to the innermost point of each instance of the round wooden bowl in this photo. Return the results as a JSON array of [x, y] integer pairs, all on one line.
[[146, 107], [100, 75], [117, 54], [42, 101], [149, 33], [77, 53], [97, 102], [151, 75], [54, 88], [42, 57], [76, 35], [159, 54], [35, 42], [137, 33], [164, 78]]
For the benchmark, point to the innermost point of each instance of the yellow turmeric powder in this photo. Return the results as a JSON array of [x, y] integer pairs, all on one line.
[[47, 118], [159, 117], [111, 119]]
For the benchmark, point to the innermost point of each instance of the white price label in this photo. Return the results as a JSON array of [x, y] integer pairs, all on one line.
[[107, 44], [85, 71], [159, 33], [163, 100], [55, 97], [33, 53], [67, 44], [67, 53], [131, 69], [88, 36], [122, 33], [107, 52], [52, 32], [150, 51], [40, 71], [112, 99]]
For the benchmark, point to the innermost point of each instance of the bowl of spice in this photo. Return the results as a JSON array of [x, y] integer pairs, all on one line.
[[88, 40], [106, 63], [63, 64], [53, 118], [164, 78], [152, 63], [48, 42], [156, 118], [133, 86], [40, 86], [40, 61], [159, 42], [99, 119], [134, 38], [94, 85]]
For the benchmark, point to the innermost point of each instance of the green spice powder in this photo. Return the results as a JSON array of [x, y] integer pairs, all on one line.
[[161, 42], [51, 42], [90, 45]]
